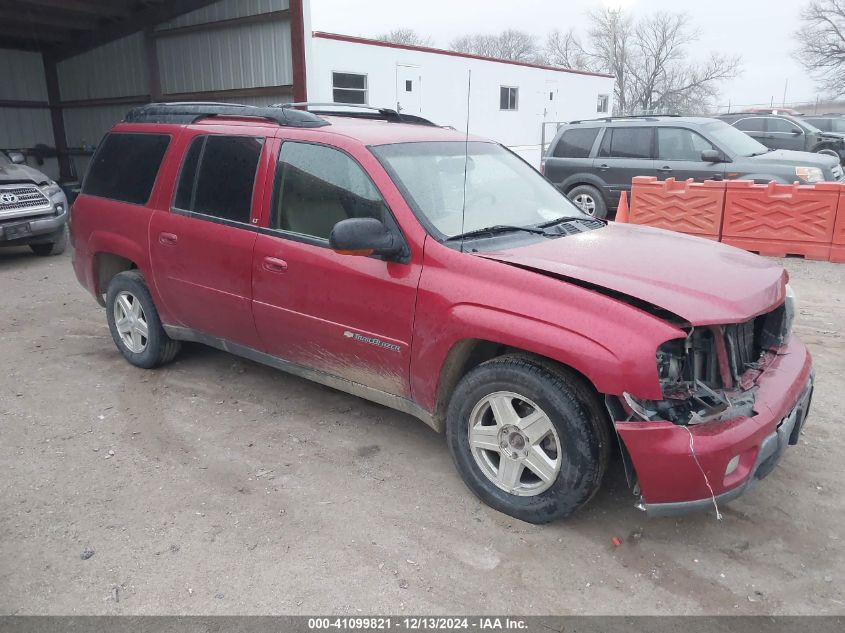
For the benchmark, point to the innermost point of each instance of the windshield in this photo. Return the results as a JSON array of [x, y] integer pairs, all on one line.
[[735, 142], [501, 189], [4, 160]]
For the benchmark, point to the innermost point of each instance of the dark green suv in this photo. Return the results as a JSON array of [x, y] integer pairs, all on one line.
[[594, 161]]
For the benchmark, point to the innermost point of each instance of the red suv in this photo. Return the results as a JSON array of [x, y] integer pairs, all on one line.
[[443, 276]]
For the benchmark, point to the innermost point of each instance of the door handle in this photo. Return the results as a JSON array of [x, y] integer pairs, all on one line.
[[168, 239], [275, 265], [665, 169], [604, 167]]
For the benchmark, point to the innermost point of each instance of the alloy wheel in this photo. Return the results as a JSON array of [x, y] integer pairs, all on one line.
[[514, 443], [131, 322]]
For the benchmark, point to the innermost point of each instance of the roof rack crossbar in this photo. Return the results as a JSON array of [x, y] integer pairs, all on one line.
[[624, 117], [371, 112], [191, 111]]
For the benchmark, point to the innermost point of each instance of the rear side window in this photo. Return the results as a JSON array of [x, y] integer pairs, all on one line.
[[754, 124], [125, 166], [626, 142], [576, 143], [218, 175]]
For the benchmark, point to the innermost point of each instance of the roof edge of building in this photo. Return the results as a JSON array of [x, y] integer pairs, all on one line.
[[441, 51]]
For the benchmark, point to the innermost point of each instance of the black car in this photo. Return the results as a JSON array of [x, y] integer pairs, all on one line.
[[783, 131], [594, 161]]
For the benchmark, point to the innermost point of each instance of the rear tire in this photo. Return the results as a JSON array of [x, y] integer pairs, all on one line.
[[134, 322], [52, 248], [524, 440], [589, 200]]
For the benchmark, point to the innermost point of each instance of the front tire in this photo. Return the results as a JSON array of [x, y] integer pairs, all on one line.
[[134, 322], [525, 441], [589, 200]]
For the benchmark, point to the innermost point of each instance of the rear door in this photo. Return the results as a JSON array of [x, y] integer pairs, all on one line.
[[679, 155], [624, 152], [347, 316], [201, 247]]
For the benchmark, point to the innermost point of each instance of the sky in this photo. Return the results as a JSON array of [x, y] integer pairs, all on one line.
[[759, 31]]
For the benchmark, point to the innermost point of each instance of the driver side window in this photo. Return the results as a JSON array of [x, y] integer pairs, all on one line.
[[318, 186]]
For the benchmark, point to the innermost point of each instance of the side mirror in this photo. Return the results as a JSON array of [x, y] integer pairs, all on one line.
[[364, 237], [17, 158], [796, 132], [712, 156]]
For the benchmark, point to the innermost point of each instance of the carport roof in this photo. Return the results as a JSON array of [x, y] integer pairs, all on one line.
[[68, 27]]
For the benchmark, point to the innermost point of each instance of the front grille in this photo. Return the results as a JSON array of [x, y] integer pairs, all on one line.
[[22, 200], [746, 342]]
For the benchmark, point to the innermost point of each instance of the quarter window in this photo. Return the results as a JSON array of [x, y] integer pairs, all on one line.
[[508, 98], [218, 176], [349, 88], [125, 167], [626, 142], [576, 143], [317, 187]]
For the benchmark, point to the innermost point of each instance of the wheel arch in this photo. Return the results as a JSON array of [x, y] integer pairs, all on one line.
[[467, 354]]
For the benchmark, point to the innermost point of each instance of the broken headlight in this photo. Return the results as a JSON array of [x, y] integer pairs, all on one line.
[[790, 308]]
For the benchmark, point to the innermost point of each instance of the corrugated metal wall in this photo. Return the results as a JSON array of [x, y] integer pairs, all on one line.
[[22, 79], [244, 56], [225, 10], [116, 69], [223, 57]]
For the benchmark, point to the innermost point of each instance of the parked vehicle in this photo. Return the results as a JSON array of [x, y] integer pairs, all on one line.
[[442, 276], [33, 208], [593, 162], [783, 131], [834, 123]]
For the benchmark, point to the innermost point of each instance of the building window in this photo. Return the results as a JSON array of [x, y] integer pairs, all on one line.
[[349, 88], [508, 98], [603, 104]]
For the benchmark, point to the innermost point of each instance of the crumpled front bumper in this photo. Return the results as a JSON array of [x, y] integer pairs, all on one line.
[[675, 464]]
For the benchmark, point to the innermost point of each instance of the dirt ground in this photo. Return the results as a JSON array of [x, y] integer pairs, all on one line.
[[216, 485]]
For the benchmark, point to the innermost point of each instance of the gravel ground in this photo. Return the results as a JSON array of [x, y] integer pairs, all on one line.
[[216, 485]]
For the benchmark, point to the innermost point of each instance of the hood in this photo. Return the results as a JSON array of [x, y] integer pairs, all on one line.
[[21, 173], [703, 282], [801, 159]]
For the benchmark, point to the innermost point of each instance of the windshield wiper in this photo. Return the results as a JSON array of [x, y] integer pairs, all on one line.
[[570, 218], [493, 230]]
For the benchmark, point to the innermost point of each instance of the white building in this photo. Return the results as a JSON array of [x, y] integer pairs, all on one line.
[[508, 101]]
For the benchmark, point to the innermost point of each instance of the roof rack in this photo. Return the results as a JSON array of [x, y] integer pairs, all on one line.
[[191, 111], [626, 117], [369, 112]]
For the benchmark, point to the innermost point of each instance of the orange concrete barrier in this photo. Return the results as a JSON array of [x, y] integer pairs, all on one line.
[[779, 220], [685, 206], [837, 246]]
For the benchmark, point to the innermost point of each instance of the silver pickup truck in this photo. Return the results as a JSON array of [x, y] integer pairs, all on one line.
[[33, 208]]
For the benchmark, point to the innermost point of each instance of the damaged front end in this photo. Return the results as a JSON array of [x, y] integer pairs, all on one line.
[[734, 396], [711, 374]]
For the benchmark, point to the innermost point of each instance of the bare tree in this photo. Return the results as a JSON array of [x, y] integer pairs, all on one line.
[[821, 44], [406, 36], [648, 59], [510, 44], [565, 50]]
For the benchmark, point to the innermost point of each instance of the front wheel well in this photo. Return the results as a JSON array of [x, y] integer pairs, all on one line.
[[467, 354], [106, 266]]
